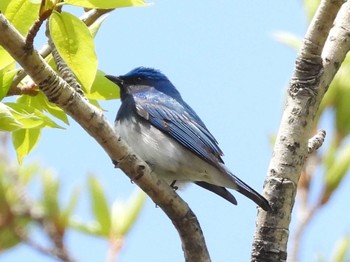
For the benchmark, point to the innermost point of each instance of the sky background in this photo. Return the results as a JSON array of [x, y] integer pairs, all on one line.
[[223, 58]]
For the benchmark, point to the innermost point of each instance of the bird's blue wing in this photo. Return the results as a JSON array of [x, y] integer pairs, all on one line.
[[180, 122]]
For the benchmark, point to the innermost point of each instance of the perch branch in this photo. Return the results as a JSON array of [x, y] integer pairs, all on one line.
[[95, 124]]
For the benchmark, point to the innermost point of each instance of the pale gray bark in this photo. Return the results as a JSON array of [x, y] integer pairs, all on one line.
[[322, 52]]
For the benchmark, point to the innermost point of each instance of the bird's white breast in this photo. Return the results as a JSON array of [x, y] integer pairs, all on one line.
[[167, 158]]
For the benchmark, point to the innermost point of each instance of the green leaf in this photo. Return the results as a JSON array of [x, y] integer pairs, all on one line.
[[22, 14], [99, 206], [7, 120], [341, 249], [27, 172], [30, 117], [96, 25], [105, 4], [91, 228], [67, 211], [288, 39], [24, 140], [75, 44], [50, 195], [124, 215], [5, 58], [41, 103], [338, 169], [6, 77], [103, 89], [311, 7]]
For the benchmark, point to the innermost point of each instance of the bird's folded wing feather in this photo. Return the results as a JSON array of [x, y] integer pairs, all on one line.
[[180, 122]]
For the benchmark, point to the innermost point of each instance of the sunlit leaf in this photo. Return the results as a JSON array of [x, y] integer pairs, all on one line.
[[50, 195], [310, 7], [68, 210], [22, 14], [24, 140], [336, 172], [99, 205], [103, 89], [6, 76], [7, 120], [27, 172], [288, 39], [75, 44], [96, 25], [124, 214], [92, 228], [5, 58], [341, 250], [30, 117], [41, 103], [105, 4]]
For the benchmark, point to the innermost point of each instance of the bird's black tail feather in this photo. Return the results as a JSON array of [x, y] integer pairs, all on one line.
[[221, 191], [242, 188], [249, 192]]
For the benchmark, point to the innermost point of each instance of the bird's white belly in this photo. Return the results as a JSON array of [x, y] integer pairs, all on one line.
[[166, 157]]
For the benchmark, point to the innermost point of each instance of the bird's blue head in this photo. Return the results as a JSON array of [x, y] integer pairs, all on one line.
[[143, 78]]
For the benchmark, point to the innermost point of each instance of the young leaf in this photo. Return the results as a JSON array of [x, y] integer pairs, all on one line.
[[103, 89], [336, 172], [99, 206], [30, 117], [75, 44], [22, 14], [67, 211], [5, 58], [110, 4], [288, 39], [6, 77], [341, 249], [24, 140], [124, 215], [41, 103], [96, 25], [91, 228], [7, 120], [50, 195]]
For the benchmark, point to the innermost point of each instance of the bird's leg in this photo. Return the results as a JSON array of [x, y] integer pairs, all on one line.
[[115, 162], [172, 185]]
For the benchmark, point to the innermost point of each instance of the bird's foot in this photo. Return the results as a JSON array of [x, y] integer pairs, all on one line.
[[172, 185]]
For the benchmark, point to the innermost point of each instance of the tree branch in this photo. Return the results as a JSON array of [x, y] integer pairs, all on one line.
[[319, 59], [94, 122]]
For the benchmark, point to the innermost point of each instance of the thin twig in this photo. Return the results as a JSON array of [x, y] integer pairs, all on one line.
[[316, 141]]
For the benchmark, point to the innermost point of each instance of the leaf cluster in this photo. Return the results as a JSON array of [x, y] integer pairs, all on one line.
[[20, 210], [25, 117]]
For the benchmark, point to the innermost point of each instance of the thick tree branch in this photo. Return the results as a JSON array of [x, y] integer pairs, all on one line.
[[319, 59], [94, 122]]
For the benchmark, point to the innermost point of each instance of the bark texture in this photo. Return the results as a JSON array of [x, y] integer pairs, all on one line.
[[322, 52]]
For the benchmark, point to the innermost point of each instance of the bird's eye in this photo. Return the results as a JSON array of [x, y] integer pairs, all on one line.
[[138, 79]]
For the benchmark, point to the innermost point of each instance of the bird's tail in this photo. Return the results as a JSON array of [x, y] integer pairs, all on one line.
[[249, 192]]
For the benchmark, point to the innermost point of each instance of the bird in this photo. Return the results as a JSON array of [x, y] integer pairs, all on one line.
[[162, 129]]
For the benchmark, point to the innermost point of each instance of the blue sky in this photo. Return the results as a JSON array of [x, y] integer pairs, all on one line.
[[222, 57]]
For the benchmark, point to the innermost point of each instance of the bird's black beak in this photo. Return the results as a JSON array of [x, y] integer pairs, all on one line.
[[115, 79]]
